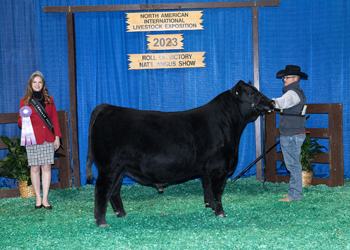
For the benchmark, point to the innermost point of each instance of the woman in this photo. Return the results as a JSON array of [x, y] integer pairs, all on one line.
[[41, 154]]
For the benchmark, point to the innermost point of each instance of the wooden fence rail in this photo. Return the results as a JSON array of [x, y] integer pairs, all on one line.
[[334, 133], [63, 164]]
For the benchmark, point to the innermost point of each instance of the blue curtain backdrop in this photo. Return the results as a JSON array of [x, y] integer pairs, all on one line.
[[19, 55], [312, 34]]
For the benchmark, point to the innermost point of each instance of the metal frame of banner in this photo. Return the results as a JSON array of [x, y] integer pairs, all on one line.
[[70, 10]]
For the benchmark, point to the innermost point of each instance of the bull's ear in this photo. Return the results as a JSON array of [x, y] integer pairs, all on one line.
[[250, 83], [237, 90]]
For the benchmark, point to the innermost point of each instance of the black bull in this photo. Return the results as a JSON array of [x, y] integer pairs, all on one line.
[[156, 148]]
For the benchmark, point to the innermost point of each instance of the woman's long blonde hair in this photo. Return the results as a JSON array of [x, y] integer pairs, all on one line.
[[29, 92]]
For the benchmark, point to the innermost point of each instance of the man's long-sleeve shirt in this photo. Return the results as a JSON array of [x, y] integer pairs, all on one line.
[[288, 100]]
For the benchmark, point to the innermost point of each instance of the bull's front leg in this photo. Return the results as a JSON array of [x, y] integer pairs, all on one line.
[[218, 185], [212, 197], [216, 181], [208, 192]]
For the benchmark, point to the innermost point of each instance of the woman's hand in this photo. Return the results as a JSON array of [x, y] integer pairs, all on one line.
[[57, 143]]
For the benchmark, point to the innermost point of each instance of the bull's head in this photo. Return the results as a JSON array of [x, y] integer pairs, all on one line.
[[252, 98]]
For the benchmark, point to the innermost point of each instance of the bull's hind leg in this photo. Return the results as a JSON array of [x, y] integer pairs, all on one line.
[[115, 198], [103, 186]]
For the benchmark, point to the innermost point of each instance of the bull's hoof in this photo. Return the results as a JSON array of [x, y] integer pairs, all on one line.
[[207, 204], [103, 225], [120, 214], [221, 215]]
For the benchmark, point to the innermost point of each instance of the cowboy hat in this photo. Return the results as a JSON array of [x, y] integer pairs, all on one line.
[[291, 70]]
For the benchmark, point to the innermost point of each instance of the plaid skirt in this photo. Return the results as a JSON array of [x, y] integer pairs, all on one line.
[[42, 154]]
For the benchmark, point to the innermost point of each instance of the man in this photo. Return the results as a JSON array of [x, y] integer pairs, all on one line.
[[292, 127]]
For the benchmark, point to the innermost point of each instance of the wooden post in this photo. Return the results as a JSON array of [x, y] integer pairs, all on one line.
[[73, 97]]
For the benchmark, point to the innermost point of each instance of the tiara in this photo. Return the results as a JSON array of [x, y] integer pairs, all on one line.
[[38, 73]]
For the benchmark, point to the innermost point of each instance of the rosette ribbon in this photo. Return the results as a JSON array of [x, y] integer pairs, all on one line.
[[27, 127]]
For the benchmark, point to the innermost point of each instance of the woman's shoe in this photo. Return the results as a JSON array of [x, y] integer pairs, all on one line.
[[48, 207], [38, 207]]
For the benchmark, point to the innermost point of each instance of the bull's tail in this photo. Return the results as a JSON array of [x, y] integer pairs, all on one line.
[[89, 158], [89, 173]]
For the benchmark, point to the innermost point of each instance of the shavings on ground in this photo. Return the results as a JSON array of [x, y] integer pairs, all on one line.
[[178, 219]]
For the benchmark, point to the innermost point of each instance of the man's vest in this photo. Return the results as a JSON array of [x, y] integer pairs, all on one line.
[[291, 121]]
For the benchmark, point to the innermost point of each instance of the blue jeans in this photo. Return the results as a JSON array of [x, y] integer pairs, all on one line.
[[291, 149]]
